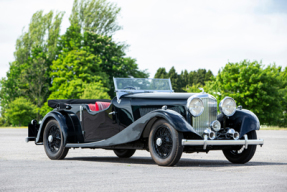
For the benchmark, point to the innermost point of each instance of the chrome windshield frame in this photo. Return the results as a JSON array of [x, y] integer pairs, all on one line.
[[121, 92]]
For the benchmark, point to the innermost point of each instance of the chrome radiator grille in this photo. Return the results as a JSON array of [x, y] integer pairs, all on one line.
[[209, 114]]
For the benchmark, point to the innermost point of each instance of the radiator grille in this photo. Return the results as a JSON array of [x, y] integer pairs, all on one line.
[[209, 114]]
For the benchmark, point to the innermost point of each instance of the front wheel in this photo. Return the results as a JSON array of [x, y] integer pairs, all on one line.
[[53, 141], [240, 155], [165, 143], [124, 153]]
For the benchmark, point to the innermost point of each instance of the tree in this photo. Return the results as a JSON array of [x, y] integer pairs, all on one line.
[[35, 49], [95, 91], [97, 16], [161, 73], [21, 111], [175, 81], [254, 87]]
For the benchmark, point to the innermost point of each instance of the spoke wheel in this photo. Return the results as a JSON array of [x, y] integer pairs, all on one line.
[[53, 141], [165, 143], [240, 155]]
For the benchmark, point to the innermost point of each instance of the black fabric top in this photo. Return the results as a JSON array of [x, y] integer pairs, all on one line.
[[55, 103]]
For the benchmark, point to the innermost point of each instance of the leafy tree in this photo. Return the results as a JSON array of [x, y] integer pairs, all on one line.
[[98, 16], [34, 51], [95, 91], [161, 73], [21, 111], [252, 86], [174, 78], [194, 88]]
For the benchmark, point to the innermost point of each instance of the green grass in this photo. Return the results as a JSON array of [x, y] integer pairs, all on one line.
[[14, 127], [264, 127]]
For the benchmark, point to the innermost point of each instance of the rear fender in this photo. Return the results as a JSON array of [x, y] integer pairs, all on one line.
[[242, 121], [62, 122]]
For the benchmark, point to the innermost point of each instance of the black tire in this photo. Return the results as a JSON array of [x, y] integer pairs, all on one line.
[[240, 155], [54, 148], [168, 150], [124, 153]]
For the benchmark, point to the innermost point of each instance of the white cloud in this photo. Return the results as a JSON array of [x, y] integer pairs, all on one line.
[[185, 34]]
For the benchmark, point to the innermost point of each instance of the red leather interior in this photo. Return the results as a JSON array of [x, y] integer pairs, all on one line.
[[92, 107], [102, 105], [98, 106]]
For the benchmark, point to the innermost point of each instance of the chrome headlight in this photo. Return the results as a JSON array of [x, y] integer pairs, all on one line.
[[227, 106], [215, 125], [195, 106]]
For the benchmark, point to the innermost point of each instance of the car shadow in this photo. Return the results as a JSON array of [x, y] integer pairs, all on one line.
[[184, 162]]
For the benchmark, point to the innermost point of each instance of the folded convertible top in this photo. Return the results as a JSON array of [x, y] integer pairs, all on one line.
[[55, 103]]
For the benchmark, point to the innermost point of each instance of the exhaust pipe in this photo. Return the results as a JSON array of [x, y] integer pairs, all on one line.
[[232, 133], [210, 134]]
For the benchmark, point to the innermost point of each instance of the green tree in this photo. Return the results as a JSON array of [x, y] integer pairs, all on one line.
[[175, 80], [194, 88], [21, 111], [95, 90], [161, 73], [254, 87], [35, 49], [98, 16]]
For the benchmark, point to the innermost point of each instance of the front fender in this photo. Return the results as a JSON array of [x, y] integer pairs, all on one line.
[[62, 122], [242, 121], [174, 118]]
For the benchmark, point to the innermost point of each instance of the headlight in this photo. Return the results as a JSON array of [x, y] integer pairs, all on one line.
[[195, 106], [227, 106]]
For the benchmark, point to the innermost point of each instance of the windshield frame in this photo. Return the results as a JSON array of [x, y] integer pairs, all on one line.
[[121, 92]]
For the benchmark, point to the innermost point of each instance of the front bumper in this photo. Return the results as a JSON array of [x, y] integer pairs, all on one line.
[[207, 142]]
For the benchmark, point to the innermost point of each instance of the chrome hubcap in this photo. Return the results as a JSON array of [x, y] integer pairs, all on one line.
[[158, 142], [50, 138]]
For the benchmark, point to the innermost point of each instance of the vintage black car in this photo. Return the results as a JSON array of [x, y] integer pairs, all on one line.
[[147, 115]]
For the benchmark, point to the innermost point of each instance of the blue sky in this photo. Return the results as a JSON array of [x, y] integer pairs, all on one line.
[[185, 34]]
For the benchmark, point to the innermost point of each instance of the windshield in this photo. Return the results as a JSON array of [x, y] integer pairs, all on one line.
[[144, 84]]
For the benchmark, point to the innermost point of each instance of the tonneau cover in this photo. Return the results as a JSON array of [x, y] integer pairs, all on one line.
[[54, 103]]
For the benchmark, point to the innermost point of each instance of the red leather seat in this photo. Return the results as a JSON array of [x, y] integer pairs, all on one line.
[[92, 107], [102, 105], [98, 106]]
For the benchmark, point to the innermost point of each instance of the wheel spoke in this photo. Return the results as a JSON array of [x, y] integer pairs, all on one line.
[[166, 146]]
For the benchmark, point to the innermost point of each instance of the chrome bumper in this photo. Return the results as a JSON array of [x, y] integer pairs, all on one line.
[[206, 142]]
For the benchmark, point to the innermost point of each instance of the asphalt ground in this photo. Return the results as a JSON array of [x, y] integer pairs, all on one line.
[[25, 167]]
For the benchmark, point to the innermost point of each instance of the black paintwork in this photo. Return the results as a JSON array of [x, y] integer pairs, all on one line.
[[242, 121], [132, 121]]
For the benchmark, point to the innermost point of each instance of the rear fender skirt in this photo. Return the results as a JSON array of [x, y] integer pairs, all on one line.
[[242, 121], [61, 120], [134, 131]]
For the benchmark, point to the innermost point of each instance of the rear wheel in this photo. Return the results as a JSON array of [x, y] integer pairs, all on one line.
[[240, 155], [165, 143], [124, 153], [53, 141]]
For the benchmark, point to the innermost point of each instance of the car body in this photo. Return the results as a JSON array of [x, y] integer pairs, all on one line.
[[147, 115]]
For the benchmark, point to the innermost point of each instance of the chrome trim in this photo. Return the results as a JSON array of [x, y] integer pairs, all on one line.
[[81, 109], [188, 102], [221, 103], [207, 142], [211, 135], [209, 114], [212, 124], [232, 133]]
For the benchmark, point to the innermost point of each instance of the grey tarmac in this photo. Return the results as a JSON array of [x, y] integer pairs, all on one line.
[[25, 167]]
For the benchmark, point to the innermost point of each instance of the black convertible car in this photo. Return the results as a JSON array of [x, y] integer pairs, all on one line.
[[147, 114]]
